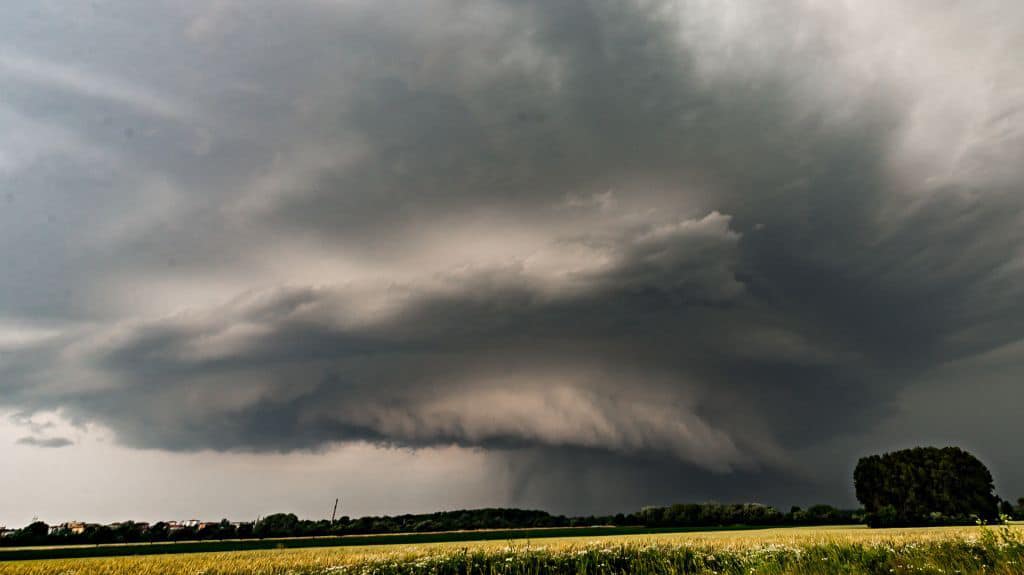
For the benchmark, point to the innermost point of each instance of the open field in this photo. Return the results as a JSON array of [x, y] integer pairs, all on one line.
[[392, 539], [826, 550]]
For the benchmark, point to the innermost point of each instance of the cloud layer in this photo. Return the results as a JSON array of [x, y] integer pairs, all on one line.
[[712, 241]]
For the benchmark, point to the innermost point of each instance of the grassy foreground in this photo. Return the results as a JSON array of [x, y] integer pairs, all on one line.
[[475, 537], [800, 551]]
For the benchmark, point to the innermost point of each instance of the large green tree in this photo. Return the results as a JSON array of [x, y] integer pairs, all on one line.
[[925, 485]]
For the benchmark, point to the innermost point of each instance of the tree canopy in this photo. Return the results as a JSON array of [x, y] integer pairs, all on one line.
[[925, 486]]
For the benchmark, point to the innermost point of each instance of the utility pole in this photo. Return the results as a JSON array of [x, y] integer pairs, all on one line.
[[335, 512]]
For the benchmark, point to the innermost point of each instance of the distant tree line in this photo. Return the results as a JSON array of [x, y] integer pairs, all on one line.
[[289, 525], [715, 514], [919, 486]]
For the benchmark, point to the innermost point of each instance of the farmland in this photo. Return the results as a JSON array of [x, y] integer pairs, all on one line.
[[821, 550], [474, 537]]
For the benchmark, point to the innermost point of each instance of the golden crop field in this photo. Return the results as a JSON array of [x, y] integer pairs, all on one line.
[[802, 550]]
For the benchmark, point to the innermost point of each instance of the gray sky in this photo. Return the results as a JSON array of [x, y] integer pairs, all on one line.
[[442, 254]]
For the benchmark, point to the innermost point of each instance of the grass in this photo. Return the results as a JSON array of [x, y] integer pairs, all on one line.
[[475, 536], [798, 551]]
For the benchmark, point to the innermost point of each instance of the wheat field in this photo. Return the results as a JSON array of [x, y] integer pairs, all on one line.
[[820, 551]]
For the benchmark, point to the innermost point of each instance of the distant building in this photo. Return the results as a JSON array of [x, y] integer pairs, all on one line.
[[135, 525], [72, 527]]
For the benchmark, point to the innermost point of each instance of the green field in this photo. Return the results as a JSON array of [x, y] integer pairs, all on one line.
[[820, 551]]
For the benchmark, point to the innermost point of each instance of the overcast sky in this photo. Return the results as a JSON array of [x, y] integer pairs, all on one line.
[[583, 256]]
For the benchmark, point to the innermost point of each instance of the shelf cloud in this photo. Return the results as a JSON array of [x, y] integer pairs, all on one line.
[[696, 250]]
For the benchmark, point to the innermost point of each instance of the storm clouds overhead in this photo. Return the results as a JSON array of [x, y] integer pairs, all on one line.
[[672, 251]]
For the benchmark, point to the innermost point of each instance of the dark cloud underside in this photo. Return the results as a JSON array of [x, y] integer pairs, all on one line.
[[691, 252]]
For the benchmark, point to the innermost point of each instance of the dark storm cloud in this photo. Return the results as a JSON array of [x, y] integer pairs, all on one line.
[[648, 240], [300, 367]]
